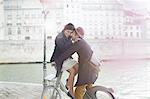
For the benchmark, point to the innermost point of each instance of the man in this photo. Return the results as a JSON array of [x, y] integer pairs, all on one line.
[[88, 67], [62, 43]]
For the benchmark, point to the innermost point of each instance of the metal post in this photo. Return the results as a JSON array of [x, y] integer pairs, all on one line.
[[45, 13], [44, 50]]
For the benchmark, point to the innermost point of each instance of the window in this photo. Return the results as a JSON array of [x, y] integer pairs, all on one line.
[[26, 16], [101, 33], [9, 17], [27, 38], [119, 27], [126, 34], [18, 17], [67, 6], [131, 34], [49, 37], [19, 24], [9, 31], [33, 15], [9, 24], [19, 31], [137, 34], [27, 29]]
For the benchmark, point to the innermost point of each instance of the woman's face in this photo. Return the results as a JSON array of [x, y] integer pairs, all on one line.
[[67, 32]]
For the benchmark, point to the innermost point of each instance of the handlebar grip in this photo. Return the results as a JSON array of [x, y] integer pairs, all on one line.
[[53, 64]]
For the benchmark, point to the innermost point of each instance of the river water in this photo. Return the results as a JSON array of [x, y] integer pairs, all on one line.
[[129, 79]]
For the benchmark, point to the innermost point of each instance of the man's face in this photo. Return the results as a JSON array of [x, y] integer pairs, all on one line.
[[68, 33], [73, 35]]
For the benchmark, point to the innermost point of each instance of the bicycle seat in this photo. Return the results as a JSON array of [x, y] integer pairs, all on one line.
[[50, 77]]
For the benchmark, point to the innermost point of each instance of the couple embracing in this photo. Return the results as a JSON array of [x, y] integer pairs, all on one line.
[[68, 42]]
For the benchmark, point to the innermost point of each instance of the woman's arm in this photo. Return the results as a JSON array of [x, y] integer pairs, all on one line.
[[62, 44], [70, 51]]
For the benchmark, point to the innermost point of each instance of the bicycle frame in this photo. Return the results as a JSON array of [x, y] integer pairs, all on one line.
[[58, 84], [62, 86]]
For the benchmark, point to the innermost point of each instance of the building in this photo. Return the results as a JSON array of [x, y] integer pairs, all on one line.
[[147, 25], [23, 20], [1, 20], [148, 28], [73, 12], [105, 20], [133, 25], [101, 19]]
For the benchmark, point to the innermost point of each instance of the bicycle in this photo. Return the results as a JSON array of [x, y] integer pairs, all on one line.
[[55, 87]]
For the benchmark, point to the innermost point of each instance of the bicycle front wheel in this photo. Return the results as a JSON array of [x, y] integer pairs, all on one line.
[[51, 92], [98, 92]]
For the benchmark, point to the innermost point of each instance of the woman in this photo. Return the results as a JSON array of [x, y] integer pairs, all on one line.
[[62, 43], [87, 73]]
